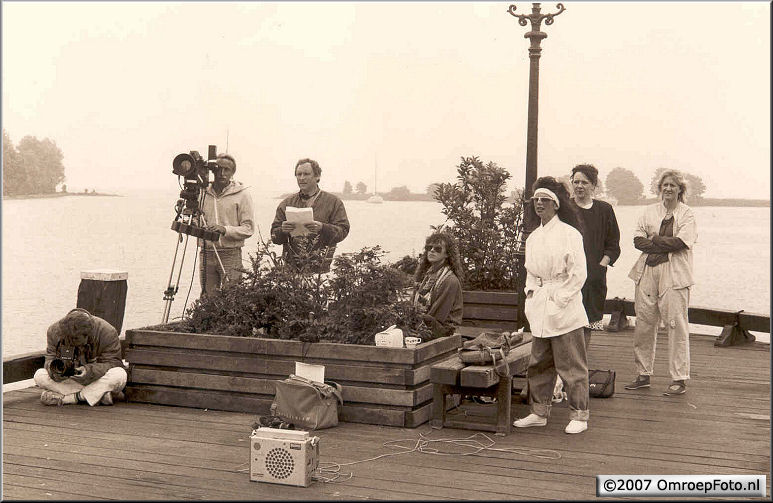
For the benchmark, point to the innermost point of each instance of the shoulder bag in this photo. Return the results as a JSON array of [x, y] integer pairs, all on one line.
[[307, 404]]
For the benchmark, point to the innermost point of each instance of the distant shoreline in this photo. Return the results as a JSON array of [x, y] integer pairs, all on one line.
[[706, 201], [60, 194], [364, 197], [709, 201]]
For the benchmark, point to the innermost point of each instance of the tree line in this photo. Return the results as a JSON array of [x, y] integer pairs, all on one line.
[[32, 167], [625, 186]]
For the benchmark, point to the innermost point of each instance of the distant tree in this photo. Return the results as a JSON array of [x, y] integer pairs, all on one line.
[[401, 192], [695, 186], [42, 164], [64, 187], [13, 173], [347, 187], [623, 185], [362, 188], [432, 189]]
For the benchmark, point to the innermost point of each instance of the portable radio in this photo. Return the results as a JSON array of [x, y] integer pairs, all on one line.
[[286, 457]]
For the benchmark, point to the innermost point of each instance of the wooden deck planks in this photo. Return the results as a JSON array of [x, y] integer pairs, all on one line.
[[142, 451]]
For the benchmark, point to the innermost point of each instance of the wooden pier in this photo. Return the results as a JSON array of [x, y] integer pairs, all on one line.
[[721, 426]]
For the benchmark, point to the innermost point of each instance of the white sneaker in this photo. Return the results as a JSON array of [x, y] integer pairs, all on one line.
[[576, 426], [530, 420]]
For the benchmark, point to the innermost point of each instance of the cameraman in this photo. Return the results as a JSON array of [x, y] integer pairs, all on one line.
[[83, 362], [227, 210]]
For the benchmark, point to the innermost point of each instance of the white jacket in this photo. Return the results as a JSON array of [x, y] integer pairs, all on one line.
[[555, 273]]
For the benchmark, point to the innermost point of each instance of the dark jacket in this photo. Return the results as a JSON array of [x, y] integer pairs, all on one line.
[[103, 349], [329, 210]]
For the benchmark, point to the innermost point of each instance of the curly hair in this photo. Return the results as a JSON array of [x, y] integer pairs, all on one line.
[[452, 251], [678, 179], [590, 172], [566, 211]]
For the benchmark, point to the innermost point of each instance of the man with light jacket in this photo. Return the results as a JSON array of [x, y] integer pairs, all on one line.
[[227, 209]]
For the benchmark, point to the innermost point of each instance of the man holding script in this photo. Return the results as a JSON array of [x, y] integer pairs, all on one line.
[[300, 231]]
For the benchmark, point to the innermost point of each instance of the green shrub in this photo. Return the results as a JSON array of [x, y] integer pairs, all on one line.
[[359, 297], [488, 228]]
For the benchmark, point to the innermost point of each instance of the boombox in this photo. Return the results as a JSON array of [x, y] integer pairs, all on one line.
[[286, 457]]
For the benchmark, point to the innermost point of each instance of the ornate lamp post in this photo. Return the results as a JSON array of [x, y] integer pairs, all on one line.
[[536, 36], [529, 224]]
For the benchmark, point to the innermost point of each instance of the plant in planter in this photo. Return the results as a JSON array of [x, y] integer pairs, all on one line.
[[488, 228], [358, 298]]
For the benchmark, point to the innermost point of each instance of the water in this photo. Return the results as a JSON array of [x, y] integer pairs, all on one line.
[[48, 242]]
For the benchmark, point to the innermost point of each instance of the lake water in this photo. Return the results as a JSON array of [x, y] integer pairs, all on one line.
[[48, 242]]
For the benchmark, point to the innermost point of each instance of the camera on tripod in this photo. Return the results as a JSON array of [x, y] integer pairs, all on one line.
[[194, 171], [65, 362]]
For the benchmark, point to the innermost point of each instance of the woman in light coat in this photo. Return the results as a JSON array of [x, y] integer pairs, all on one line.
[[665, 234], [555, 274]]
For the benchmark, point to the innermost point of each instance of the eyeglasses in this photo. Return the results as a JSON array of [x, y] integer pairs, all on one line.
[[543, 200], [434, 248]]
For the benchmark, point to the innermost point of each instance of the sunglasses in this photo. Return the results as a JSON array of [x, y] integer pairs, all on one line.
[[434, 248], [543, 200]]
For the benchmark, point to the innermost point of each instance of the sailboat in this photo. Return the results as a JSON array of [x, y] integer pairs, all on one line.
[[375, 198]]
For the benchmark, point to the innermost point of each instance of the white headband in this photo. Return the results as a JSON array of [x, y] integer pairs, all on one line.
[[549, 193]]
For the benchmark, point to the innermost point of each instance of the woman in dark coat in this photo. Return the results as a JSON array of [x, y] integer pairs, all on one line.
[[438, 291], [601, 241]]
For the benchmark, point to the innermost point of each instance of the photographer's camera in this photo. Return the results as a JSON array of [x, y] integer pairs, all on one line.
[[65, 363]]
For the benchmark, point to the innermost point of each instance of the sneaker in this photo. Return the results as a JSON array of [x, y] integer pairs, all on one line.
[[107, 399], [576, 426], [49, 397], [675, 388], [640, 382], [484, 400], [530, 420], [597, 325]]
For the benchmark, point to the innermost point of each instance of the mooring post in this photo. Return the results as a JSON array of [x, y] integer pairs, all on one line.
[[618, 321], [734, 335], [102, 292]]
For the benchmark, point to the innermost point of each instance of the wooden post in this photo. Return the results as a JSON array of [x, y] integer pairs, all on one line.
[[734, 335], [102, 292]]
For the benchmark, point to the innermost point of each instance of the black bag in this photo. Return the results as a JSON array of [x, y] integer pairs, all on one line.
[[601, 383]]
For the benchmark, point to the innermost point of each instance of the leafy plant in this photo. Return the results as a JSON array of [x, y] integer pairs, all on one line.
[[359, 297], [487, 227]]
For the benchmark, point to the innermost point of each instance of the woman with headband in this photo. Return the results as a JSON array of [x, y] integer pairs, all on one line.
[[555, 273], [665, 234]]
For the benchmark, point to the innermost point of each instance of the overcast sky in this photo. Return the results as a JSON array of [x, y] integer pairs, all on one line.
[[122, 87]]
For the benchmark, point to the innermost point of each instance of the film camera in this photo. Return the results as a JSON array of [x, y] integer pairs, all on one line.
[[194, 171], [65, 362]]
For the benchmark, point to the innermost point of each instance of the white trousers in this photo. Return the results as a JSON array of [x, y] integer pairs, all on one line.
[[113, 380], [656, 302]]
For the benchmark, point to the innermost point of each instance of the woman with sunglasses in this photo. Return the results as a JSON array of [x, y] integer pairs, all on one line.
[[555, 273], [438, 291]]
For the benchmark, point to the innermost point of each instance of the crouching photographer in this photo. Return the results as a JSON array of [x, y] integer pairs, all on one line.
[[83, 362]]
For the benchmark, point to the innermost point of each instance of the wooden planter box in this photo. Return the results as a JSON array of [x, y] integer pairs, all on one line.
[[385, 386], [490, 310]]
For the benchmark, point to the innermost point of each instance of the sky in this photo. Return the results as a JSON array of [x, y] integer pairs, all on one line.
[[391, 93]]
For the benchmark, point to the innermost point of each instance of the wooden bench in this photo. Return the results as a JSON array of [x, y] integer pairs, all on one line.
[[453, 377]]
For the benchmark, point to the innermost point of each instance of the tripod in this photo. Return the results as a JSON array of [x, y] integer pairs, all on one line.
[[188, 222]]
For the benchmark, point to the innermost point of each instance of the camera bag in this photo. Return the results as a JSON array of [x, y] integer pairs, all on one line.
[[307, 404], [601, 383]]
